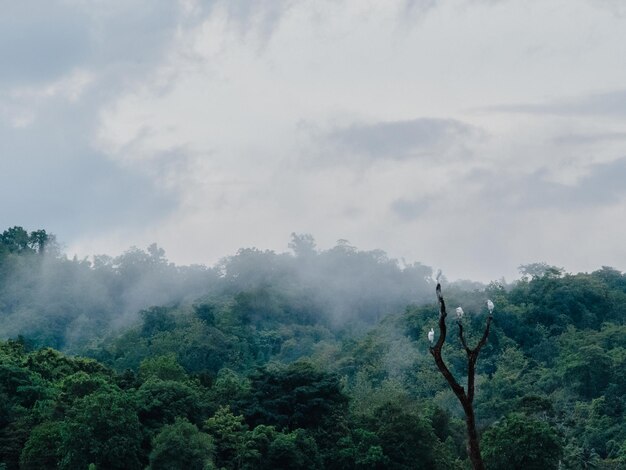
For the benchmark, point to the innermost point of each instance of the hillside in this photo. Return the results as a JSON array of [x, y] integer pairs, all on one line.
[[315, 359]]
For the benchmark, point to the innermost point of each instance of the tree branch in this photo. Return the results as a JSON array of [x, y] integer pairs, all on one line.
[[436, 350], [462, 338], [483, 340]]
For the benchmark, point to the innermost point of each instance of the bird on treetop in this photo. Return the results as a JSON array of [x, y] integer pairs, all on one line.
[[490, 306], [459, 313]]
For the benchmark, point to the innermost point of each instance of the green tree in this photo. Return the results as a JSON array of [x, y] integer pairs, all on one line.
[[42, 450], [160, 402], [296, 396], [361, 450], [233, 443], [293, 450], [181, 446], [407, 440], [16, 240], [521, 443], [162, 367], [101, 428]]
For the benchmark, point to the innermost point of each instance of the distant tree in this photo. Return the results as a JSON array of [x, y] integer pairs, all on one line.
[[536, 270], [406, 440], [296, 396], [233, 444], [160, 402], [293, 450], [16, 240], [101, 428], [156, 319], [361, 449], [162, 367], [230, 389], [302, 245], [41, 451], [206, 313], [521, 442], [38, 240], [181, 446], [587, 371]]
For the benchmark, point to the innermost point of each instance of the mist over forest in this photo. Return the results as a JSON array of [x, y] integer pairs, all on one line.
[[305, 359], [65, 303], [158, 313]]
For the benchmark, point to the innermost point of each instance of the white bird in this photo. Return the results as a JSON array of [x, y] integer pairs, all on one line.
[[431, 335], [459, 313], [490, 306]]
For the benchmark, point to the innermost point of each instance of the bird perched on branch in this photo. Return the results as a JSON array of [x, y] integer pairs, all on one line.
[[459, 313], [490, 306], [431, 335]]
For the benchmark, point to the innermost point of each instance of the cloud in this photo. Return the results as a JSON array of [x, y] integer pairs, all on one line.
[[260, 16], [410, 209], [616, 7], [612, 104], [42, 42], [52, 178], [172, 118], [590, 138], [64, 62], [416, 9], [399, 140], [603, 185]]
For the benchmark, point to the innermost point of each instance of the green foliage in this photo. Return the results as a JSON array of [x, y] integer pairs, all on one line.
[[362, 450], [235, 444], [162, 367], [230, 390], [407, 440], [309, 360], [296, 396], [18, 240], [181, 446], [42, 449], [520, 442], [293, 450], [102, 428], [160, 402]]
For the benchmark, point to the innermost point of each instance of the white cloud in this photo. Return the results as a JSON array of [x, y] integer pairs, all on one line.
[[372, 121]]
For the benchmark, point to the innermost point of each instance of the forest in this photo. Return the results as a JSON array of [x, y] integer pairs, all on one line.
[[308, 359]]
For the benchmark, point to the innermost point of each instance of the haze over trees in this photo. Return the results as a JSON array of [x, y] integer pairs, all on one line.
[[310, 359], [64, 303]]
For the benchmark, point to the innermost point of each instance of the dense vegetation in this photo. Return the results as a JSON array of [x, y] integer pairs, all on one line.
[[303, 360]]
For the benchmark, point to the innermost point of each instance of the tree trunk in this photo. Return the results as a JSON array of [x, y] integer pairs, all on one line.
[[473, 448]]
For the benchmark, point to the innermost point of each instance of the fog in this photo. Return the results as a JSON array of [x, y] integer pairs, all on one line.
[[66, 303]]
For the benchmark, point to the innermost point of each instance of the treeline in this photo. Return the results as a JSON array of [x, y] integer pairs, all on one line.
[[265, 370], [72, 413], [66, 303]]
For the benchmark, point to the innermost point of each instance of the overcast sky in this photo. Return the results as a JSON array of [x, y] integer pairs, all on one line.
[[470, 135]]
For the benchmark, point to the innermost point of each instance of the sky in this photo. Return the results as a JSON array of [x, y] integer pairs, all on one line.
[[470, 135]]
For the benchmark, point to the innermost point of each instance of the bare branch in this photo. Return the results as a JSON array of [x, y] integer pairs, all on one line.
[[483, 340], [442, 320], [462, 338], [436, 350]]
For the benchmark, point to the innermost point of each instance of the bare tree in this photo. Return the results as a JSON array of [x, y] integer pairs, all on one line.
[[465, 397]]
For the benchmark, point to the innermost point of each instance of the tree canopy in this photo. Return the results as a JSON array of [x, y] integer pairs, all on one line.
[[317, 359]]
